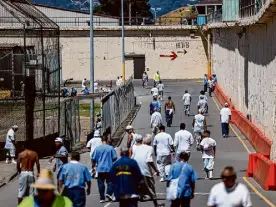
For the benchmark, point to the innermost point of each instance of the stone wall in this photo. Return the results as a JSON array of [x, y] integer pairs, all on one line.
[[108, 65], [244, 61]]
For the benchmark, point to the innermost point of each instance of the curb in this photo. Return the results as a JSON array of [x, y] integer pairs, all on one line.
[[9, 179], [132, 119]]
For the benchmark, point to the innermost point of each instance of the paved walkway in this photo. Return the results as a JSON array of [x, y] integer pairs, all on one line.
[[229, 151]]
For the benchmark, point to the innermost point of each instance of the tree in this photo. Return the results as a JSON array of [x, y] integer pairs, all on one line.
[[139, 8]]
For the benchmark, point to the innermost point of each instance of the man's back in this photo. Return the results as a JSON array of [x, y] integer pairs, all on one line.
[[163, 141], [143, 154], [125, 175], [202, 104], [183, 140], [187, 99], [160, 87], [74, 174], [155, 104], [156, 119], [28, 158], [104, 156], [93, 143], [169, 104]]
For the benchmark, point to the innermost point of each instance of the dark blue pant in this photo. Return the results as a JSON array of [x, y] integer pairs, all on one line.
[[225, 128], [131, 202], [169, 117], [102, 178], [76, 195], [205, 88]]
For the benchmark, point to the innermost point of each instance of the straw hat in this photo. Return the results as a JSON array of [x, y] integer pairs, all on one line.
[[45, 181]]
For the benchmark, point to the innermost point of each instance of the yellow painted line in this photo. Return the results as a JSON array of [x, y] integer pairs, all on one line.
[[244, 178], [269, 203], [243, 143]]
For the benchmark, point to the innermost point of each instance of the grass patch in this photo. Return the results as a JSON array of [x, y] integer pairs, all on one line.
[[85, 109]]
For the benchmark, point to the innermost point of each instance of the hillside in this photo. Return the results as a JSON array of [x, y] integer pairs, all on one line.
[[165, 5]]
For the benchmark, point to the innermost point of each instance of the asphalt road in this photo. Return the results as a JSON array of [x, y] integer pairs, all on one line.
[[229, 151]]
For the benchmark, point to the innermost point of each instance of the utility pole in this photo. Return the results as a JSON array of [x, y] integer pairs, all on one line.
[[129, 12], [91, 64], [123, 43]]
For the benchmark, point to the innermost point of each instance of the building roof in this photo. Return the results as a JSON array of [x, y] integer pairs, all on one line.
[[73, 10], [209, 2]]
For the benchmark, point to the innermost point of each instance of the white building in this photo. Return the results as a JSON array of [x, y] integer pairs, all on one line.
[[73, 18]]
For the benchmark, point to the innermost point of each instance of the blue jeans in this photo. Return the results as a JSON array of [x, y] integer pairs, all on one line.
[[205, 88], [169, 117], [102, 178], [76, 195], [225, 129]]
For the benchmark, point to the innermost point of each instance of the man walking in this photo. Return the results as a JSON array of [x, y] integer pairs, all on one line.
[[169, 111], [225, 117], [156, 78], [202, 105], [160, 88], [10, 144], [208, 149], [183, 140], [155, 121], [163, 146], [143, 155], [25, 167], [155, 104], [103, 157], [199, 124], [61, 155], [186, 176], [229, 192], [126, 177], [205, 83], [74, 176], [187, 99], [131, 136]]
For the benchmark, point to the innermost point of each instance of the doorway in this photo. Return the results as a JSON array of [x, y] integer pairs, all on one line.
[[139, 67]]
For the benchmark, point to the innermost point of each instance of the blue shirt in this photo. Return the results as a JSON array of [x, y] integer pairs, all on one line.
[[104, 155], [184, 184], [125, 175], [74, 175], [205, 81], [61, 161], [155, 104]]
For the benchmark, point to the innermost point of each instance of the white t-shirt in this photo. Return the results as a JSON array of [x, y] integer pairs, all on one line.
[[199, 123], [204, 97], [154, 91], [9, 138], [143, 154], [202, 104], [160, 87], [183, 140], [93, 143], [156, 119], [219, 197], [187, 99], [224, 114], [163, 141], [208, 145], [210, 83]]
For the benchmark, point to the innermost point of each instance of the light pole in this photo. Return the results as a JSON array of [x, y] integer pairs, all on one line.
[[123, 43], [155, 10], [91, 64]]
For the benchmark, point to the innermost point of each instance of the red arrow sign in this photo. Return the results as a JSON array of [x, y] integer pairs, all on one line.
[[173, 56]]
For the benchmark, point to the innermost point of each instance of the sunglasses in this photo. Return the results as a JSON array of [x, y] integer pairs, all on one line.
[[227, 177]]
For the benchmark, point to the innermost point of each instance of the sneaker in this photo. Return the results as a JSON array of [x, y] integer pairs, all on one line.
[[102, 201], [109, 197], [224, 136], [14, 162], [162, 180]]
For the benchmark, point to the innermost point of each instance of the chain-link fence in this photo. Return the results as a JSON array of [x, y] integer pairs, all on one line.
[[29, 71], [116, 106], [70, 126]]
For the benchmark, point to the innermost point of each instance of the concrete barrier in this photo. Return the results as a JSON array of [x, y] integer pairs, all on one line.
[[262, 170]]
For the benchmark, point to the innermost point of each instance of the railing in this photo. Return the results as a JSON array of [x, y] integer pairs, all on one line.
[[250, 8], [214, 17]]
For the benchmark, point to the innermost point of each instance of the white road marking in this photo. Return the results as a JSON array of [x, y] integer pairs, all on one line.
[[107, 204]]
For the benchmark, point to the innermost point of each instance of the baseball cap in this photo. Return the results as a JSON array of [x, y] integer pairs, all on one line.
[[129, 127], [58, 139], [97, 133]]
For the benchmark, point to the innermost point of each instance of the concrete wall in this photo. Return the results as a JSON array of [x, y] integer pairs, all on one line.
[[244, 61], [75, 54]]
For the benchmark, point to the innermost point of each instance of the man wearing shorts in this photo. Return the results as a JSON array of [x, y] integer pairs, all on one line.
[[10, 144], [25, 166]]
